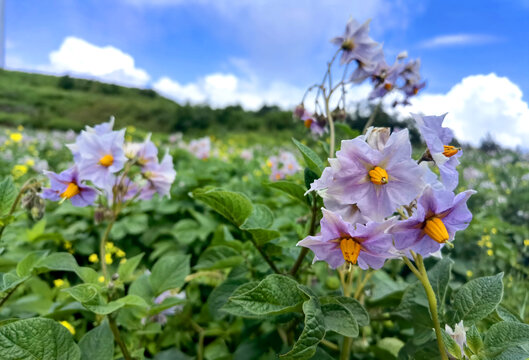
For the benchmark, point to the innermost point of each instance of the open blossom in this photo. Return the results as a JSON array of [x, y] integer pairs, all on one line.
[[144, 153], [160, 177], [100, 156], [201, 148], [385, 79], [283, 165], [378, 181], [100, 129], [439, 215], [356, 43], [437, 139], [67, 185], [311, 121], [366, 245]]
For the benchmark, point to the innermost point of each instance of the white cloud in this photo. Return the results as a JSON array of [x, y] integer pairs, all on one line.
[[223, 89], [458, 39], [478, 105], [81, 58]]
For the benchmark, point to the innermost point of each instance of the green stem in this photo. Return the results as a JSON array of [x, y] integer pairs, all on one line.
[[331, 126], [102, 249], [117, 337], [432, 301], [312, 230], [347, 289]]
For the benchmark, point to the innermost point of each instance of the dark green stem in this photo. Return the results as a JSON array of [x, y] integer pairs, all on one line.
[[117, 338]]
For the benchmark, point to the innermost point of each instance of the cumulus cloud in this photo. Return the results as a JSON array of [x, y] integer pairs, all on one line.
[[478, 105], [81, 58], [223, 89], [458, 39]]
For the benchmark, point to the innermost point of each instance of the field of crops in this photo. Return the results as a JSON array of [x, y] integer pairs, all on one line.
[[361, 237]]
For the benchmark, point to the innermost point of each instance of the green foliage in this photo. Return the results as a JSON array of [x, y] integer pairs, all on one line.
[[169, 273], [98, 343], [312, 159]]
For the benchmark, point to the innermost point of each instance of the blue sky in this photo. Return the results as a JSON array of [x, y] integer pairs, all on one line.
[[267, 51]]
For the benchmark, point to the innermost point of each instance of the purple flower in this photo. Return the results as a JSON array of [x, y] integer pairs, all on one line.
[[368, 245], [100, 156], [311, 122], [100, 129], [283, 165], [200, 147], [144, 153], [161, 317], [439, 215], [437, 139], [385, 78], [356, 43], [377, 181], [67, 185], [367, 70], [160, 177]]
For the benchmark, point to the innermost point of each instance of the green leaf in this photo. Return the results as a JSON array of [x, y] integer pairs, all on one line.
[[439, 277], [9, 280], [126, 269], [388, 348], [451, 345], [340, 320], [507, 315], [474, 341], [98, 343], [478, 298], [260, 218], [293, 190], [350, 133], [83, 293], [357, 311], [312, 159], [505, 335], [8, 194], [26, 265], [101, 308], [262, 236], [218, 257], [276, 294], [37, 338], [236, 309], [220, 294], [313, 332], [169, 273], [234, 206]]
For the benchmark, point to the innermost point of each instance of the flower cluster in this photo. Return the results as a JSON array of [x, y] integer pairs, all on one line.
[[381, 204], [282, 165], [201, 148], [105, 165]]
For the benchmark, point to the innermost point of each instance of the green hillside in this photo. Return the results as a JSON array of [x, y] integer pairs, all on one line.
[[45, 101]]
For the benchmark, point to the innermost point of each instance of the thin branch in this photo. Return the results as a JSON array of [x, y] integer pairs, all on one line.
[[117, 337]]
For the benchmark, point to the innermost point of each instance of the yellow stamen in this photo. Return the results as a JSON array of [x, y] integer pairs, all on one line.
[[70, 191], [308, 123], [435, 229], [106, 160], [450, 150], [388, 86], [350, 250], [348, 45], [378, 176]]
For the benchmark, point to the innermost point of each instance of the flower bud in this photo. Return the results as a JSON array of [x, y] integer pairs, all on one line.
[[377, 137]]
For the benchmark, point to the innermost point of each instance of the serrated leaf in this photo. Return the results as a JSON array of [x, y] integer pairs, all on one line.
[[126, 269], [234, 206], [478, 298], [312, 159], [276, 294], [293, 190], [218, 257], [505, 335], [98, 343], [339, 319], [8, 194], [169, 272], [38, 338]]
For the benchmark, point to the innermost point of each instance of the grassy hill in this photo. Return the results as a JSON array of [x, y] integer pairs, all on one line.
[[46, 101]]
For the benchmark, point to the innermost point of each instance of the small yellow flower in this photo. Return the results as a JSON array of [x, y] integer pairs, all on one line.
[[58, 282], [108, 258], [109, 246], [269, 163], [131, 129], [123, 261], [101, 279], [20, 128], [526, 242], [16, 137], [490, 252], [69, 326], [30, 162], [469, 273], [494, 231], [486, 237], [67, 245], [19, 170], [120, 253], [488, 244], [93, 258]]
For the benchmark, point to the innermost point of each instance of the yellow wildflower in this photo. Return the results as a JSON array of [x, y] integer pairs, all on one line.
[[526, 242], [67, 245], [488, 244], [93, 258], [19, 170], [101, 279], [494, 231], [469, 273], [16, 137], [109, 246], [490, 252], [120, 253], [30, 162], [108, 258], [58, 282], [69, 326]]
